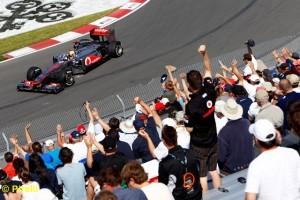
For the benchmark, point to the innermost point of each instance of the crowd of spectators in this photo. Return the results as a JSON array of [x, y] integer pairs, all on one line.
[[246, 117]]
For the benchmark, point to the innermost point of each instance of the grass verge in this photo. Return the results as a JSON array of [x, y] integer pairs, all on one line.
[[31, 37]]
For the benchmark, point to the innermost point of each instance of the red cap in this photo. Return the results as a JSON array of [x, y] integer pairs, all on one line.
[[81, 129], [160, 106]]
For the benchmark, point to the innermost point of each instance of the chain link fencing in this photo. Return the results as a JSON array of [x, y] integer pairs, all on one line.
[[121, 105]]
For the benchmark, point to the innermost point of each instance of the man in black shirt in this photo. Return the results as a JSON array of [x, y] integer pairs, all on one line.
[[110, 158], [200, 113], [180, 169]]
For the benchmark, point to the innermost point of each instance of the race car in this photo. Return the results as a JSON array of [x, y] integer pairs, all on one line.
[[85, 55], [88, 53], [51, 80]]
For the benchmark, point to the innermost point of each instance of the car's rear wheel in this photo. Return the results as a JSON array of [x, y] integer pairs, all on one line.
[[33, 72]]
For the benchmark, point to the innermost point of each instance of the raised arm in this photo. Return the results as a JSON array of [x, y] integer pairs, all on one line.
[[277, 57], [89, 156], [13, 140], [150, 144], [223, 78], [206, 61], [235, 70], [60, 135], [28, 134], [97, 117], [184, 85]]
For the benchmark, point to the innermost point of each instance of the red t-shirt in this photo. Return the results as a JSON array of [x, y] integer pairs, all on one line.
[[10, 170]]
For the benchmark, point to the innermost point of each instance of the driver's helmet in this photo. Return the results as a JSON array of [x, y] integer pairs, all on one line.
[[71, 54]]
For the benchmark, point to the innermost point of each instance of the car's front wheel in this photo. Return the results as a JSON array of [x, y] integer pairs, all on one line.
[[69, 79]]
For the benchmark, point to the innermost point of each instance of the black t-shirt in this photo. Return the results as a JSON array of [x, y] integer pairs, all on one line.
[[100, 162], [200, 113], [183, 166]]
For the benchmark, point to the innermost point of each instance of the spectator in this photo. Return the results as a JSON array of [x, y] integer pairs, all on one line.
[[241, 97], [73, 186], [139, 146], [294, 80], [109, 157], [54, 152], [6, 181], [135, 177], [220, 119], [294, 117], [180, 169], [268, 111], [105, 195], [18, 163], [288, 97], [110, 180], [45, 177], [31, 188], [234, 141], [128, 133], [200, 113], [275, 173], [38, 148], [9, 168]]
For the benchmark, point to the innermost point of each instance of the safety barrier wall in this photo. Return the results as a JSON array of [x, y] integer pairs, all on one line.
[[121, 104]]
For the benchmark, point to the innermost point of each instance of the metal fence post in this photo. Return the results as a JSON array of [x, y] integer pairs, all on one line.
[[123, 105], [6, 141]]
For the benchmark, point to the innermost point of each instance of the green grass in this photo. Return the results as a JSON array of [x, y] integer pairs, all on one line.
[[25, 39]]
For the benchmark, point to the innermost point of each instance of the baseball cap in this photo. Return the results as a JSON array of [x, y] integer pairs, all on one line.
[[81, 129], [263, 130], [75, 135], [295, 55], [109, 143], [254, 78], [49, 143], [268, 86], [163, 78]]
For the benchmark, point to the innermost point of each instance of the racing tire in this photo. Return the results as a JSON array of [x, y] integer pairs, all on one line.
[[33, 72], [69, 79], [116, 49]]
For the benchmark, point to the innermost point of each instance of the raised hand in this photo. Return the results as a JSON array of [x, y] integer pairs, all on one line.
[[234, 63], [59, 128], [182, 75], [202, 49], [137, 100], [143, 133], [28, 126], [95, 113]]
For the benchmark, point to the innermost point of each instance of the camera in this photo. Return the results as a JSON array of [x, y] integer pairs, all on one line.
[[250, 43]]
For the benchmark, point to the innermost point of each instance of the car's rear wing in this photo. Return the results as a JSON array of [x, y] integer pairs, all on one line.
[[97, 33]]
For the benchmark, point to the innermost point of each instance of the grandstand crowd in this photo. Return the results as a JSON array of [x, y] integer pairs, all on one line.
[[246, 117]]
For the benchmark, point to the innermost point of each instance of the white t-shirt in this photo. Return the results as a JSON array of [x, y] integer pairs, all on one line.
[[183, 137], [30, 190], [251, 89], [247, 70], [79, 150], [155, 191], [275, 175], [253, 110]]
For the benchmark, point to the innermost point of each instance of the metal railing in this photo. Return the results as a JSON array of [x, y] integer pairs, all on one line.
[[121, 103]]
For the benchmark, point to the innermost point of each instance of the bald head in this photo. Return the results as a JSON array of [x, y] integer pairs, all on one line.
[[285, 86]]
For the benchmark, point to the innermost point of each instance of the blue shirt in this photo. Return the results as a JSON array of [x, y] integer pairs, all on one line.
[[55, 155], [129, 194], [47, 158], [235, 146], [284, 102]]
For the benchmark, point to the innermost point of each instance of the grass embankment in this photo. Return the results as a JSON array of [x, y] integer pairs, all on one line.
[[25, 39]]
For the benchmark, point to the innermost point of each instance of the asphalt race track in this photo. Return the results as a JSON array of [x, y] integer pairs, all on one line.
[[162, 32]]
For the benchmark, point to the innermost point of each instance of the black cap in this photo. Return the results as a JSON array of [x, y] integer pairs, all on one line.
[[109, 143], [163, 78], [295, 55]]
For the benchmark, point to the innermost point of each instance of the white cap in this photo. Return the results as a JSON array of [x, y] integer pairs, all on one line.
[[170, 122], [263, 130], [49, 143], [254, 78], [164, 101]]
